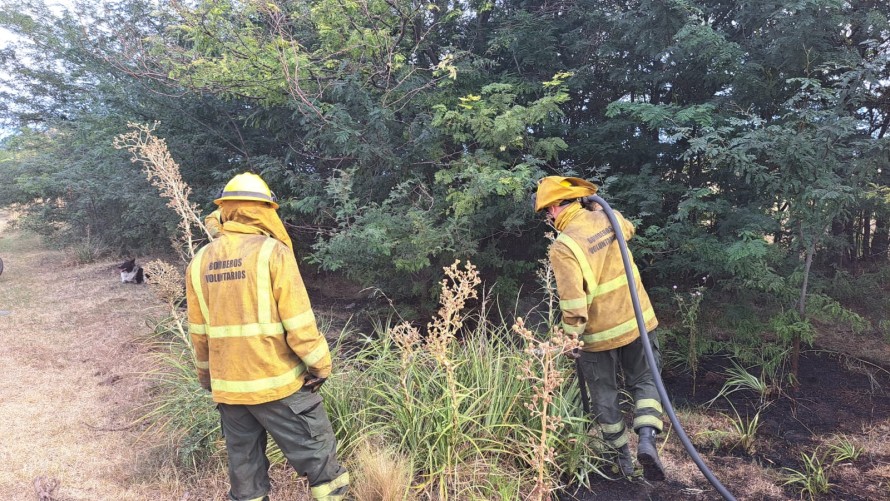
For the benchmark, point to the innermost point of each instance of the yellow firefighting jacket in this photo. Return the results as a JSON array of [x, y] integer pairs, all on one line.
[[591, 282], [250, 320]]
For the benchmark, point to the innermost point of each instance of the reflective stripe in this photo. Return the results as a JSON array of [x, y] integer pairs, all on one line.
[[619, 329], [261, 498], [202, 365], [247, 330], [612, 428], [571, 329], [300, 321], [572, 304], [616, 283], [581, 257], [256, 194], [200, 329], [255, 385], [618, 442], [641, 421], [317, 354], [323, 491], [196, 284], [649, 403], [264, 282]]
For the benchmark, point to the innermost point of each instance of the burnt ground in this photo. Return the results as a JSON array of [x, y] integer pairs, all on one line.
[[837, 395]]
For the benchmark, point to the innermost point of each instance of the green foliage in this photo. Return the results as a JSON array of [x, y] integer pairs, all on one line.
[[789, 325], [746, 431], [87, 250], [745, 140], [83, 199], [738, 378], [827, 309], [842, 449], [812, 479]]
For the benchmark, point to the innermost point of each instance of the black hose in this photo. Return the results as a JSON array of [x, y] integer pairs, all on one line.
[[647, 348]]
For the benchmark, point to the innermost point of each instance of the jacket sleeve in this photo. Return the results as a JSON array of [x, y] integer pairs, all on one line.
[[296, 313], [213, 222], [197, 329], [570, 288]]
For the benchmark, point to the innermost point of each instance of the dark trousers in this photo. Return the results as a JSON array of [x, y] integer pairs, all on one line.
[[600, 371], [300, 427]]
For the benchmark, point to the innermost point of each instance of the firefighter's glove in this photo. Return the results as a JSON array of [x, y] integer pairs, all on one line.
[[204, 379], [574, 354], [313, 383]]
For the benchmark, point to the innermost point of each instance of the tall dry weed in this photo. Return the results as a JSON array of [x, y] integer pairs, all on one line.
[[163, 173], [407, 338], [458, 287], [541, 368], [179, 405]]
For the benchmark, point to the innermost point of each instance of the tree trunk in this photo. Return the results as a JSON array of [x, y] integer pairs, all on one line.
[[801, 309], [866, 236], [880, 243], [839, 230]]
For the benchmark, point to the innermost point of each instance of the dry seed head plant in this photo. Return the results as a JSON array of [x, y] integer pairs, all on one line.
[[541, 368], [163, 173], [548, 284], [407, 338], [166, 281], [457, 288]]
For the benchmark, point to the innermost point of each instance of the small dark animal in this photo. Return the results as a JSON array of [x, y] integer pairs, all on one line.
[[131, 273]]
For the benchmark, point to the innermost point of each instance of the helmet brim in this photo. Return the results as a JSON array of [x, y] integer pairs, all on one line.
[[224, 198]]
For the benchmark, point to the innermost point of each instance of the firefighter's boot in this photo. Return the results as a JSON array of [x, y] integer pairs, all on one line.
[[647, 454], [624, 461]]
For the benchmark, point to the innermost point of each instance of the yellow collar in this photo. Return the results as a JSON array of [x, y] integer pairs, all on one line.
[[567, 214], [237, 227]]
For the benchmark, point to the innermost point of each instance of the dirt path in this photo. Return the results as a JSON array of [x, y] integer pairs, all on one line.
[[70, 382]]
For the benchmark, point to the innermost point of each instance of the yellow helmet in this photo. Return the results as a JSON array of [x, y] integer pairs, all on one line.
[[555, 189], [247, 186]]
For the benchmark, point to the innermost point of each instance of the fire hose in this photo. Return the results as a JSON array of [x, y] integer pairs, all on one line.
[[650, 357]]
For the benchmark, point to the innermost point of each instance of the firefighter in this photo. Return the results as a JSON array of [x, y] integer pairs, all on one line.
[[595, 303], [258, 349]]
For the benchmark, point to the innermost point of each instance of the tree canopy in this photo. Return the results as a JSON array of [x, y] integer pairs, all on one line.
[[746, 139]]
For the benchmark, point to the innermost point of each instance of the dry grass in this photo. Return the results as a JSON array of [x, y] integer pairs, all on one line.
[[714, 431], [380, 475], [71, 380]]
